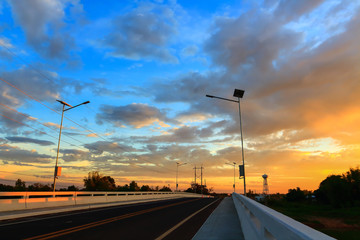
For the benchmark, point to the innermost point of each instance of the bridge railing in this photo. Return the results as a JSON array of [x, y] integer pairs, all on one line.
[[10, 201], [261, 222]]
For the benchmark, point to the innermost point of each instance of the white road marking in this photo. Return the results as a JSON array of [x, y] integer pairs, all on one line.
[[182, 222]]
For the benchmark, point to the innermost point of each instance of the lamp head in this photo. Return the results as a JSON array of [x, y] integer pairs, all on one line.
[[64, 103], [238, 93]]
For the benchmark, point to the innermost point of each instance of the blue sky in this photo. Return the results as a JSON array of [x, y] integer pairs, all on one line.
[[146, 67]]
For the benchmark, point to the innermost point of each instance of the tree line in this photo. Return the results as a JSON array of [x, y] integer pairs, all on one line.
[[21, 186], [93, 182], [96, 182], [337, 190], [197, 188]]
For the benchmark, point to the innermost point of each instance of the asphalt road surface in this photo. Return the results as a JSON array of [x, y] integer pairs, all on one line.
[[167, 219]]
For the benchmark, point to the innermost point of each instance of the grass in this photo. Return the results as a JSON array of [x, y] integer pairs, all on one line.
[[340, 223]]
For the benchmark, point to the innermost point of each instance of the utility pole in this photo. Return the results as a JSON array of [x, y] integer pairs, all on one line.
[[177, 170], [195, 174], [201, 179], [201, 174]]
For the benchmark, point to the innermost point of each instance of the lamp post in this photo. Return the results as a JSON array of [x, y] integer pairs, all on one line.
[[57, 170], [239, 94], [177, 170], [234, 163]]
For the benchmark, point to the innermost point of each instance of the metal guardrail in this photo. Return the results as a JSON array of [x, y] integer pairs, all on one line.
[[261, 222], [10, 201]]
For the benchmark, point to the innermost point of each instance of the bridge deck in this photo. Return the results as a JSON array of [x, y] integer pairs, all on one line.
[[223, 223]]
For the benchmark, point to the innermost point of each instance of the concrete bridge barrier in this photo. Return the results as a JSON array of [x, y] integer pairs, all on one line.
[[10, 201], [261, 222]]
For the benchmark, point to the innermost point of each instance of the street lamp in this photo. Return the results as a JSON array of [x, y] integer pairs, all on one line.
[[57, 169], [239, 94], [177, 170], [234, 163]]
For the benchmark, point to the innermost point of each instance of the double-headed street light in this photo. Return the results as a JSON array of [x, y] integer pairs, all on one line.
[[239, 94], [177, 170], [234, 163], [58, 169]]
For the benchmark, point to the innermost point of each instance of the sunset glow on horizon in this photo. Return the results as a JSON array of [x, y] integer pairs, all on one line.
[[146, 67]]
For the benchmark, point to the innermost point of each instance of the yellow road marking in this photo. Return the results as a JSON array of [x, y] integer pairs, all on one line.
[[101, 222]]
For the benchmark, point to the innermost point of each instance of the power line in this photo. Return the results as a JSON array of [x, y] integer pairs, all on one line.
[[28, 95], [28, 64], [43, 75], [34, 119], [42, 132], [79, 146], [73, 144]]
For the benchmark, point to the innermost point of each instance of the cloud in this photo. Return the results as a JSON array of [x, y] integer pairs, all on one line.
[[12, 94], [47, 89], [183, 134], [136, 114], [29, 140], [74, 155], [190, 88], [287, 87], [289, 10], [143, 33], [43, 24], [22, 164], [5, 43], [236, 44], [6, 146], [11, 121], [24, 156], [111, 147], [92, 135], [189, 51]]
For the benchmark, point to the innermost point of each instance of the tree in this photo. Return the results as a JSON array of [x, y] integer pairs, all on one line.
[[124, 188], [39, 187], [251, 194], [196, 188], [70, 188], [20, 185], [146, 188], [295, 195], [96, 182], [353, 178], [334, 190], [6, 188], [165, 189], [134, 186]]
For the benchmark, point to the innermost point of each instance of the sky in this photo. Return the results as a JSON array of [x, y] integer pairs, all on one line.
[[146, 66]]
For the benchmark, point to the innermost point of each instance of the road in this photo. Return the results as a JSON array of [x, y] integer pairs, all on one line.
[[167, 219]]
